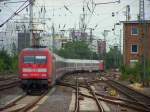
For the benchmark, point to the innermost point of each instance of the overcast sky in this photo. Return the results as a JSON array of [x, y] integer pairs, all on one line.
[[102, 16]]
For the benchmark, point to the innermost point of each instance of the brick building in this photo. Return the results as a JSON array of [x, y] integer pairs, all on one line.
[[134, 41], [101, 46]]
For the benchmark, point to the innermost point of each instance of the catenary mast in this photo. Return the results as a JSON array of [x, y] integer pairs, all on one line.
[[32, 40]]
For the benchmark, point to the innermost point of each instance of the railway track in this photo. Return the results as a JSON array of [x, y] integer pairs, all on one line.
[[77, 105], [9, 84], [95, 97], [128, 103], [129, 92], [23, 104], [4, 78], [84, 89], [78, 95]]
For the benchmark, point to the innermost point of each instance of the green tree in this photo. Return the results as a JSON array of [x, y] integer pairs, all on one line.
[[77, 50], [14, 63], [2, 65], [14, 49], [5, 60], [132, 73], [113, 58], [8, 63]]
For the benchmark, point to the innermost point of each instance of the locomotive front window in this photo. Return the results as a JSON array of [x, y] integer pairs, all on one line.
[[35, 59], [40, 59], [28, 59]]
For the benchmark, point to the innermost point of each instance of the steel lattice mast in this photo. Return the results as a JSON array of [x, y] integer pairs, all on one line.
[[31, 22], [141, 10], [143, 33]]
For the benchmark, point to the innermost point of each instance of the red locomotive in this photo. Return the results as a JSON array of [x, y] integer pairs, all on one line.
[[39, 67]]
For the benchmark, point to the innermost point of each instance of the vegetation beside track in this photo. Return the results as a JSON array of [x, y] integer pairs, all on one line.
[[135, 73], [8, 63], [77, 50]]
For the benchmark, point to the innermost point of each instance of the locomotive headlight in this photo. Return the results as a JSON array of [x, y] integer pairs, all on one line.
[[43, 75], [41, 70], [24, 75], [26, 70]]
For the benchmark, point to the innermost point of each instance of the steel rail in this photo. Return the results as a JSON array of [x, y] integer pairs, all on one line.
[[7, 78], [77, 97], [9, 85], [123, 100], [13, 102], [132, 106], [100, 107], [32, 104], [133, 94], [69, 84], [26, 108], [113, 100], [93, 81], [105, 96]]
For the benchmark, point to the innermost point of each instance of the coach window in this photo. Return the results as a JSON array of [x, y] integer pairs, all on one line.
[[134, 31], [134, 48]]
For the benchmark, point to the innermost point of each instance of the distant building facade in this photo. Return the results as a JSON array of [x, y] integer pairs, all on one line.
[[8, 38], [8, 42], [57, 40], [78, 35], [134, 43], [101, 46], [23, 41]]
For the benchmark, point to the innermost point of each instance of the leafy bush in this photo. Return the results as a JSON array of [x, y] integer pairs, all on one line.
[[2, 65], [14, 63], [8, 63], [131, 73], [77, 50]]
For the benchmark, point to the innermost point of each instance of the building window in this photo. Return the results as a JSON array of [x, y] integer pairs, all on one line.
[[134, 48], [134, 31]]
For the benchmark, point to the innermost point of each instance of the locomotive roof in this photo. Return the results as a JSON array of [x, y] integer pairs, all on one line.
[[32, 49], [59, 58]]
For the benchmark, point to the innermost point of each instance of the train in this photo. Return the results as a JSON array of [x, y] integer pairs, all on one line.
[[40, 68]]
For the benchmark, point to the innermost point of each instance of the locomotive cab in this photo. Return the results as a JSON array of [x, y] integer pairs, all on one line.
[[35, 68]]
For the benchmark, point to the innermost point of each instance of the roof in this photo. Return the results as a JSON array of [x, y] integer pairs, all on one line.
[[132, 22], [81, 61], [36, 49], [58, 58]]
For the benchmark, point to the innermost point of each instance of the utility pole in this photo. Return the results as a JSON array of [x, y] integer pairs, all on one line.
[[83, 25], [127, 12], [105, 33], [142, 24], [91, 33], [90, 41], [53, 37], [120, 46], [141, 10], [32, 38]]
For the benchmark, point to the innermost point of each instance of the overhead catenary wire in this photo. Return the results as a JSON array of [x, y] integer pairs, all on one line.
[[132, 1], [21, 8], [67, 9], [94, 6], [119, 10], [118, 1], [13, 2]]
